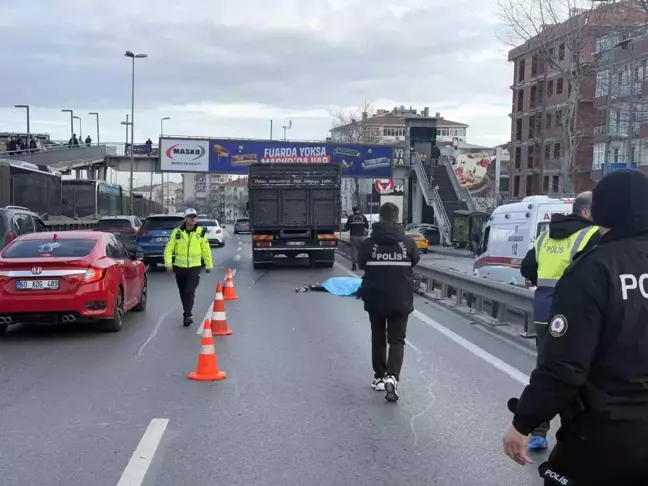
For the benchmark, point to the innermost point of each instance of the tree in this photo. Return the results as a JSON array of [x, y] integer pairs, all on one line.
[[351, 128], [558, 36]]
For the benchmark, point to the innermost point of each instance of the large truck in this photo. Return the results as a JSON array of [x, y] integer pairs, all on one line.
[[294, 210]]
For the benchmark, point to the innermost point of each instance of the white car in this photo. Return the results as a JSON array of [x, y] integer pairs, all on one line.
[[213, 232]]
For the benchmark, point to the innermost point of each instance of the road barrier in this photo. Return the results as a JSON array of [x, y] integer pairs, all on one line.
[[473, 292]]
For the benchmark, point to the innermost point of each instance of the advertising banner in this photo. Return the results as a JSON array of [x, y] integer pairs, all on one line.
[[184, 155], [235, 156]]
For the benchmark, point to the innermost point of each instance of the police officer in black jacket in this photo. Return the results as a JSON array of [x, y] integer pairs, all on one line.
[[387, 257], [593, 367], [356, 225]]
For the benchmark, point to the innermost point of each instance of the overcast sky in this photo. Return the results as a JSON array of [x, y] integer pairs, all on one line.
[[225, 68]]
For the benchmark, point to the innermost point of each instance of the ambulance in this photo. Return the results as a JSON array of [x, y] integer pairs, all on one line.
[[511, 232]]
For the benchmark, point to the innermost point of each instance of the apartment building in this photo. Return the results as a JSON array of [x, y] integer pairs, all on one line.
[[621, 133], [220, 195], [540, 95]]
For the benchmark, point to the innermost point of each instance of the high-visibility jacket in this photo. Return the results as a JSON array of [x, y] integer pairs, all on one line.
[[190, 249], [554, 257]]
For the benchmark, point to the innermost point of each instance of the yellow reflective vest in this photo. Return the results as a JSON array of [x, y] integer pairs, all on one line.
[[554, 257], [190, 249]]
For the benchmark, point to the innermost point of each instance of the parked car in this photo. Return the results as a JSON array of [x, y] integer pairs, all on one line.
[[213, 232], [420, 240], [154, 235], [430, 231], [16, 221], [125, 228], [67, 276], [242, 225]]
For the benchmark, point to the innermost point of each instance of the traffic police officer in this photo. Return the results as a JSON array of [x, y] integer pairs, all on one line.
[[545, 263], [356, 225], [593, 365], [387, 289], [185, 254]]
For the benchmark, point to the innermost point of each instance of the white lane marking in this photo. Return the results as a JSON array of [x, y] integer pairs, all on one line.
[[156, 329], [494, 361], [207, 317], [239, 248], [233, 272], [416, 350], [237, 258], [141, 459]]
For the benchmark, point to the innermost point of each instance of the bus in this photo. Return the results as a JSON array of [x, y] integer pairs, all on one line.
[[87, 199], [25, 184]]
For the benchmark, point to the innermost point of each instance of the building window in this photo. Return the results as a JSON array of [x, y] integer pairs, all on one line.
[[545, 184], [602, 79], [598, 156], [552, 52], [532, 121], [547, 152], [550, 88], [548, 120], [534, 65], [521, 69], [616, 155], [561, 52], [559, 120], [518, 157], [516, 186], [643, 69], [394, 132], [559, 86], [555, 185], [520, 100], [530, 190], [556, 152], [518, 129]]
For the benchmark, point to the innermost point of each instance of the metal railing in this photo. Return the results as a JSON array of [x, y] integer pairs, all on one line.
[[500, 301], [54, 154], [432, 197], [70, 225]]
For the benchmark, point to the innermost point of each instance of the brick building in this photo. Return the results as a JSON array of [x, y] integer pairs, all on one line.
[[541, 92]]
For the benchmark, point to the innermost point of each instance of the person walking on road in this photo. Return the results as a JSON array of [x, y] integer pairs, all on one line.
[[387, 289], [592, 368], [184, 255], [357, 226], [544, 264]]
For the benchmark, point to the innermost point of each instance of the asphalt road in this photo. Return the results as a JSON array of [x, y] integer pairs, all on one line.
[[296, 408]]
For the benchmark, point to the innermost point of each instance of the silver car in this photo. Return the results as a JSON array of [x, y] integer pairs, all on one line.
[[242, 225]]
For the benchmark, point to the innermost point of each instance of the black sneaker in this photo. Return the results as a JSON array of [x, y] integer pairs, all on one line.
[[354, 267], [391, 389], [187, 321]]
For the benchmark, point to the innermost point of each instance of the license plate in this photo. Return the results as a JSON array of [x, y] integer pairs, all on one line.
[[162, 240], [295, 243], [37, 285]]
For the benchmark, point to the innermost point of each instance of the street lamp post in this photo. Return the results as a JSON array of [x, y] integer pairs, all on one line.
[[26, 107], [71, 112], [162, 173], [287, 127], [97, 115], [127, 124], [80, 128], [132, 162]]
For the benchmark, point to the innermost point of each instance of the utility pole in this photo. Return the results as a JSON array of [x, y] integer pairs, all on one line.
[[631, 117]]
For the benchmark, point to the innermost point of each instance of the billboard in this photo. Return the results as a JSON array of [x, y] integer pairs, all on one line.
[[184, 155], [235, 156]]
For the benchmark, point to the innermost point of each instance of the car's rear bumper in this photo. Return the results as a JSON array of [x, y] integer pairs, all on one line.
[[215, 239], [90, 301]]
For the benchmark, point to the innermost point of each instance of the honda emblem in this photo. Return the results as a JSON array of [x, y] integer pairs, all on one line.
[[37, 270]]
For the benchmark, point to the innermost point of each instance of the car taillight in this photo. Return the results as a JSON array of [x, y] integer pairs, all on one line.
[[93, 275], [4, 275]]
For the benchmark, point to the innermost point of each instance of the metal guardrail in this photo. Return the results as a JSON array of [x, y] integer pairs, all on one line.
[[475, 293]]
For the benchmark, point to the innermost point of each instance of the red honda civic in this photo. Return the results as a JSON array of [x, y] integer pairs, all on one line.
[[69, 276]]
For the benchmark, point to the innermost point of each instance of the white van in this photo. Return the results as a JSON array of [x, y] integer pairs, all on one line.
[[511, 232]]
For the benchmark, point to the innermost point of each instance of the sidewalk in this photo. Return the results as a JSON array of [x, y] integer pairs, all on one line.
[[449, 251]]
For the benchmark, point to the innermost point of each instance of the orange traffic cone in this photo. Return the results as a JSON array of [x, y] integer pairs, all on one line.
[[207, 367], [229, 292], [218, 321]]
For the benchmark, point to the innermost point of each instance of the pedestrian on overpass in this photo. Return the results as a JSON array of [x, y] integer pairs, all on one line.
[[184, 255], [545, 263], [592, 367], [387, 257], [357, 226]]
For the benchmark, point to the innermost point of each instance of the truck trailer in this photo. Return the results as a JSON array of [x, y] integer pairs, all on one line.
[[294, 210]]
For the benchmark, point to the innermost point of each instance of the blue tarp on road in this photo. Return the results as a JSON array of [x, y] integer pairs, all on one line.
[[342, 286]]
